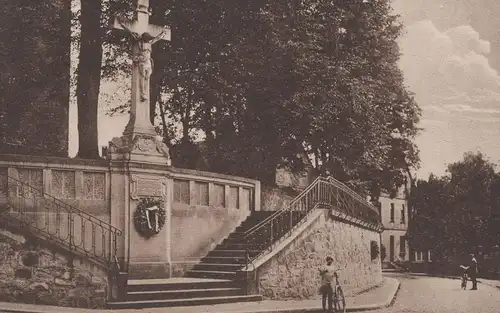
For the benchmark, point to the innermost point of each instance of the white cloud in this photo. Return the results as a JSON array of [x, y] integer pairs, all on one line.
[[453, 64], [458, 90]]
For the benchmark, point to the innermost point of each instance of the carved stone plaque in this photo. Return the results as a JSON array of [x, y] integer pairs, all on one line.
[[147, 186]]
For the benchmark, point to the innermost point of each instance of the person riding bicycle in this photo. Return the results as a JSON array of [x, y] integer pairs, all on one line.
[[328, 276]]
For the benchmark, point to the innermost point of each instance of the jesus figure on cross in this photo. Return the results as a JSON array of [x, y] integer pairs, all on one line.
[[142, 57]]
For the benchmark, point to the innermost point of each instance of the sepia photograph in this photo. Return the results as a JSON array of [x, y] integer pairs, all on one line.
[[250, 156]]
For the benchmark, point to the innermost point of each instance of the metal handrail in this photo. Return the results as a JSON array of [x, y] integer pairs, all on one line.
[[278, 212], [57, 221], [352, 193], [321, 192]]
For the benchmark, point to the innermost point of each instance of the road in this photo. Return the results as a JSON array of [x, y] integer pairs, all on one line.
[[441, 295]]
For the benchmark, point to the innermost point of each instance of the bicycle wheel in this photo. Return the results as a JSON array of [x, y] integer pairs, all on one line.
[[339, 302]]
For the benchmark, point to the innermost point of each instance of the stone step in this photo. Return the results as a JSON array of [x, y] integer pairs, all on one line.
[[223, 260], [166, 285], [211, 274], [241, 246], [182, 294], [183, 302], [217, 267], [232, 253]]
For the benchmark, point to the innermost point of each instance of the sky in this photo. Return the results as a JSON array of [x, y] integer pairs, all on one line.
[[451, 62]]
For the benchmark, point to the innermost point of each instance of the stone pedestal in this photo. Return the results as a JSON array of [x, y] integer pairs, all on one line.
[[139, 148], [140, 169]]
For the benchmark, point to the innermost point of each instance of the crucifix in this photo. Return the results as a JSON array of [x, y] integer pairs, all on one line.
[[143, 35]]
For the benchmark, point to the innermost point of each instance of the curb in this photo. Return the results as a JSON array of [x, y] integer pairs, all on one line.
[[391, 298], [386, 304]]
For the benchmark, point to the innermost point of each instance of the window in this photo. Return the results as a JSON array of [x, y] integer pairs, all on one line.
[[403, 215], [402, 245], [421, 256], [181, 191], [392, 212]]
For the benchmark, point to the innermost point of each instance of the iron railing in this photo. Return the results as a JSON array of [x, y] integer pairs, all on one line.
[[321, 193], [48, 218]]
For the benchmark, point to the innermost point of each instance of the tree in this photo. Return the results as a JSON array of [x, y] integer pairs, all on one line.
[[455, 214], [34, 79], [336, 96], [89, 78]]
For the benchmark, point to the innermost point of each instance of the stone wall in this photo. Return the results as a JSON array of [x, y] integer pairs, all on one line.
[[203, 214], [293, 272], [32, 274], [277, 198], [298, 180], [80, 183]]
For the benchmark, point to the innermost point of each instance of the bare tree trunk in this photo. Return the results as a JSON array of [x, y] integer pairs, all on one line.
[[89, 78]]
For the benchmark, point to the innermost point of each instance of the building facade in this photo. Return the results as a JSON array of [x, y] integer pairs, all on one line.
[[394, 215]]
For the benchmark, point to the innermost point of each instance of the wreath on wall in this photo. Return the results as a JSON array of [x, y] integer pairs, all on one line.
[[149, 216]]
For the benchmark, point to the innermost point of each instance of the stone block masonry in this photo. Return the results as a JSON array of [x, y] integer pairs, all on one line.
[[34, 275], [293, 272]]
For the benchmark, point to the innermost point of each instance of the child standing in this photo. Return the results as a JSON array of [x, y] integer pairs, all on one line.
[[327, 273]]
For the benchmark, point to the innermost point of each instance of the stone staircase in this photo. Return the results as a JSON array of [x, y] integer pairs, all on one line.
[[230, 255], [213, 279], [150, 293]]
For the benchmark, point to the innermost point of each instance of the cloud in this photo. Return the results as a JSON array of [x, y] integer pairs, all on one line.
[[451, 65], [457, 89]]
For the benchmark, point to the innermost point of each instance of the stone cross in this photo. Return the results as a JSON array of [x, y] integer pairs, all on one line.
[[144, 35]]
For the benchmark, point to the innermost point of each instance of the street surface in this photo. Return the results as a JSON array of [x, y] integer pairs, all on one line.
[[441, 295], [420, 294]]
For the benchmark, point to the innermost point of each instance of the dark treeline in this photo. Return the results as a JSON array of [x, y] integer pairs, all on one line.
[[458, 213]]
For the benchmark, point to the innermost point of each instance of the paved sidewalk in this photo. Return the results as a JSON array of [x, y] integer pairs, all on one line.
[[378, 297]]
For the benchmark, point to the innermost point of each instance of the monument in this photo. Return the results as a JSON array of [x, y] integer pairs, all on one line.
[[140, 142], [140, 161]]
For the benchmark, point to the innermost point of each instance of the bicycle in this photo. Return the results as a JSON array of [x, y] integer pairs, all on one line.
[[465, 277], [338, 297]]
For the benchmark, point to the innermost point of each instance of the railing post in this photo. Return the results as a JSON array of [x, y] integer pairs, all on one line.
[[247, 258], [272, 234], [70, 230]]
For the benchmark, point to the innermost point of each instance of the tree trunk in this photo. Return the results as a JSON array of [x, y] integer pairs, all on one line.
[[89, 78], [35, 77]]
